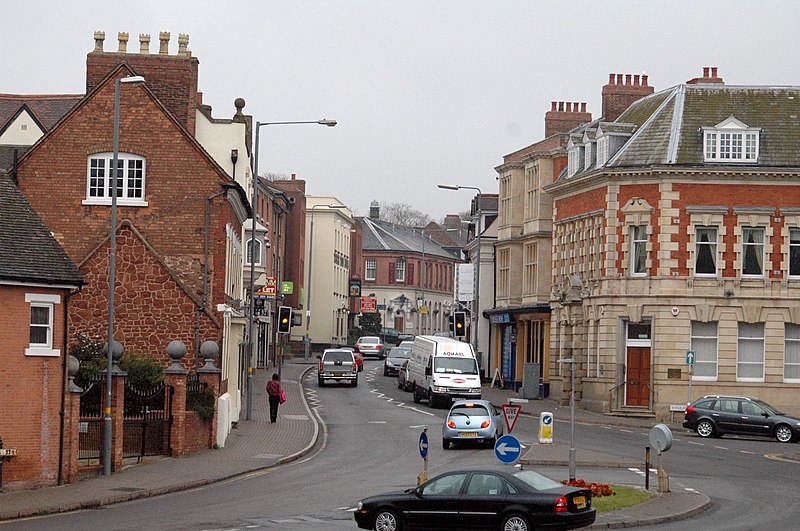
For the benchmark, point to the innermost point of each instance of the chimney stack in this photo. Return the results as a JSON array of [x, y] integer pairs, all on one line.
[[618, 96], [564, 116], [709, 76], [123, 42], [144, 43]]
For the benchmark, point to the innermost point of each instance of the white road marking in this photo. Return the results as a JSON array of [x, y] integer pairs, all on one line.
[[373, 421], [747, 452], [696, 443], [721, 447], [626, 431]]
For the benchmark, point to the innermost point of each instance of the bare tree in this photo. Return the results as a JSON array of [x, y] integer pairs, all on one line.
[[403, 214]]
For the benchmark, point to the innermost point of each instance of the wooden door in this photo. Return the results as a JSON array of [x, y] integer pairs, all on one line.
[[637, 384]]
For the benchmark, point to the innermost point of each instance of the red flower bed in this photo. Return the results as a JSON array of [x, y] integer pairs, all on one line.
[[597, 489]]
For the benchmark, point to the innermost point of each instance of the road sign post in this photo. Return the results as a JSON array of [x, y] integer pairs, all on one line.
[[507, 449], [423, 453], [690, 363], [510, 413]]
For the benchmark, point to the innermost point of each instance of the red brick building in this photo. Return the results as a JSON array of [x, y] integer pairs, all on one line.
[[676, 251], [168, 285]]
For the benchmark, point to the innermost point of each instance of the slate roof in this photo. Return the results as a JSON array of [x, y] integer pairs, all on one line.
[[46, 109], [668, 125], [384, 236], [28, 252]]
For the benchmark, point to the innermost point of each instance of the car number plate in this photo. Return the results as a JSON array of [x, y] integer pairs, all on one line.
[[469, 434], [337, 374], [580, 502]]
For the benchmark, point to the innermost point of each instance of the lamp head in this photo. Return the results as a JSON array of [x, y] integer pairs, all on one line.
[[329, 123], [449, 187], [131, 79]]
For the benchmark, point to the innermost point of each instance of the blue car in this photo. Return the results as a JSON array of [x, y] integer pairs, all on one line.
[[472, 421]]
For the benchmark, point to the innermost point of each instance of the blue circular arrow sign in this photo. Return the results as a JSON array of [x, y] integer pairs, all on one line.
[[423, 445], [547, 419], [507, 449]]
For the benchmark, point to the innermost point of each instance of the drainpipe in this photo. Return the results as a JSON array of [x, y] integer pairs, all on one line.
[[202, 308], [64, 386]]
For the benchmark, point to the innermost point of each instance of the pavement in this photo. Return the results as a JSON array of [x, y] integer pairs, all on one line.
[[258, 444]]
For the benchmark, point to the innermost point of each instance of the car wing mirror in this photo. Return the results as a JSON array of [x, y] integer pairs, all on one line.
[[427, 371], [319, 357]]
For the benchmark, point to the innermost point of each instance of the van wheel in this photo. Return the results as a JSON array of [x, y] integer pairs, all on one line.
[[432, 401], [415, 392]]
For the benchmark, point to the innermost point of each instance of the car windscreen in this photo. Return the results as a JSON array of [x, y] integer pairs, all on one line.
[[402, 353], [470, 410], [536, 480], [455, 366], [333, 357], [369, 340], [771, 410]]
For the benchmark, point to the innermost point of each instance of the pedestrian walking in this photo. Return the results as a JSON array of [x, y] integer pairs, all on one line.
[[275, 393]]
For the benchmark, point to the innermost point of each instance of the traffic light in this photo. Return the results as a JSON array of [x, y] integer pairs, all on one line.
[[284, 319], [450, 324], [460, 324]]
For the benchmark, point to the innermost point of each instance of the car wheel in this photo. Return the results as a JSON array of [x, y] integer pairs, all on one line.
[[415, 391], [399, 384], [784, 433], [705, 428], [492, 442], [445, 444], [515, 522], [320, 382], [386, 520], [355, 382], [385, 372]]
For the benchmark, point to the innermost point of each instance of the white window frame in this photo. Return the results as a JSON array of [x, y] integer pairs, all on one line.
[[714, 247], [603, 145], [40, 300], [753, 340], [762, 245], [698, 337], [794, 257], [131, 188], [572, 162], [791, 344], [731, 141], [400, 270], [248, 252], [370, 266], [635, 244]]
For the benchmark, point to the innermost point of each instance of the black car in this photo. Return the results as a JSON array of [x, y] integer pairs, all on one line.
[[519, 500], [716, 415], [390, 336]]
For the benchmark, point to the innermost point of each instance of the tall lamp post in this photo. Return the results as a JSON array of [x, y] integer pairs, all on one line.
[[259, 125], [307, 338], [478, 257], [111, 346]]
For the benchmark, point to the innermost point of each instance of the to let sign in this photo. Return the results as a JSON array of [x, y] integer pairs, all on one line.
[[8, 452], [369, 305]]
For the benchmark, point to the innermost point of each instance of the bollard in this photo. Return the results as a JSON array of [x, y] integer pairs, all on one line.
[[646, 468]]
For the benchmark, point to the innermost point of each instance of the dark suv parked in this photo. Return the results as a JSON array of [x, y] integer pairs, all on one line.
[[390, 336], [716, 415]]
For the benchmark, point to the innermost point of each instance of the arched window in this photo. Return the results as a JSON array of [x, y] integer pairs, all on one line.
[[249, 251]]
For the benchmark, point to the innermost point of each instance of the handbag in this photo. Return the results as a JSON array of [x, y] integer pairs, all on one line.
[[282, 397]]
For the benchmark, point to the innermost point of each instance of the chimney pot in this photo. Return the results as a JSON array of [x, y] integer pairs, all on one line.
[[713, 71], [294, 176], [569, 106], [183, 44], [123, 42], [199, 98], [644, 80], [705, 71], [619, 79], [636, 80], [610, 79], [560, 106], [163, 47], [583, 107], [99, 37], [144, 43], [553, 105], [627, 79]]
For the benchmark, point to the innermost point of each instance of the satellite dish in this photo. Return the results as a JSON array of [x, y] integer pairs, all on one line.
[[661, 438]]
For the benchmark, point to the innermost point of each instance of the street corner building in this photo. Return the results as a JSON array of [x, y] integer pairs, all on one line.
[[654, 251], [179, 257]]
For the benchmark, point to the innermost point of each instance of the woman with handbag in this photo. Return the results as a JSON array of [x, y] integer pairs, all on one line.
[[276, 396]]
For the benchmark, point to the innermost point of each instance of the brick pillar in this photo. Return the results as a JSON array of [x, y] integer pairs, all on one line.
[[72, 419], [175, 377], [210, 375]]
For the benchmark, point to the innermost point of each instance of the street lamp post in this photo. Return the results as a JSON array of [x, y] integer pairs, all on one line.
[[571, 362], [307, 338], [477, 287], [328, 123], [112, 264]]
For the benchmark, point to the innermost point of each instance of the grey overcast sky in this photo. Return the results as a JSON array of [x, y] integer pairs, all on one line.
[[425, 92]]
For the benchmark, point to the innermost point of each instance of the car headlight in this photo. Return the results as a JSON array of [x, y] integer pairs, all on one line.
[[359, 506], [475, 390], [439, 389]]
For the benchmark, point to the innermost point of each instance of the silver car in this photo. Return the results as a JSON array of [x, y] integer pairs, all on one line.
[[395, 359], [337, 365], [370, 346], [472, 421]]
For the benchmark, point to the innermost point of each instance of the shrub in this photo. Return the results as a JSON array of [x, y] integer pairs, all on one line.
[[598, 490], [203, 403], [143, 371]]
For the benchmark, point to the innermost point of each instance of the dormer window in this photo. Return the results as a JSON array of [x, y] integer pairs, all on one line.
[[572, 158], [731, 141], [602, 150]]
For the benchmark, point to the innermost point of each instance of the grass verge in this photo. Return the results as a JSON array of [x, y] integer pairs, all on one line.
[[623, 497]]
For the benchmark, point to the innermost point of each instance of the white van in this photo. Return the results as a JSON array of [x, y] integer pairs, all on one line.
[[441, 369]]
